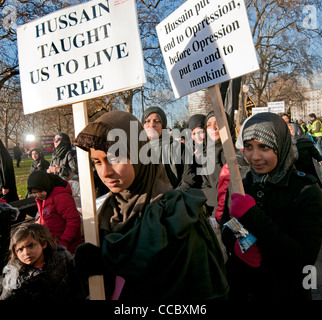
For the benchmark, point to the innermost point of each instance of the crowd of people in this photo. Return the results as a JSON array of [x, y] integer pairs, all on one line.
[[172, 228]]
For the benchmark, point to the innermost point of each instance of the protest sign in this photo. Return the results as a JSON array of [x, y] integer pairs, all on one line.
[[79, 53], [73, 55], [206, 42], [276, 106]]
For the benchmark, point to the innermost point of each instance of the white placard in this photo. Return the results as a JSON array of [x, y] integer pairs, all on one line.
[[276, 106], [206, 42], [259, 110], [79, 53]]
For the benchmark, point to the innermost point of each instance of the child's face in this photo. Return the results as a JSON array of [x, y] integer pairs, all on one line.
[[212, 129], [262, 158], [198, 135], [30, 252], [39, 194], [115, 175], [34, 155]]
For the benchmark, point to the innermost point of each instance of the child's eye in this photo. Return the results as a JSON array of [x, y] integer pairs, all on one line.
[[96, 162]]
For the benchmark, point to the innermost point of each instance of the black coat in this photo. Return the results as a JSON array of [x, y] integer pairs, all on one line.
[[56, 281], [7, 175], [287, 221]]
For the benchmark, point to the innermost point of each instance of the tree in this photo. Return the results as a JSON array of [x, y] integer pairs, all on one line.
[[285, 46]]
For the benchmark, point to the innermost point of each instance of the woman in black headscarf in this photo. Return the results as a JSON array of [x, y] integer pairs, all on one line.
[[39, 161], [64, 161], [156, 238], [170, 151], [282, 208], [215, 160], [7, 176]]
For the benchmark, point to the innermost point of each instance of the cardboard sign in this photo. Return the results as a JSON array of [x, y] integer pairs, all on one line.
[[79, 53], [206, 42]]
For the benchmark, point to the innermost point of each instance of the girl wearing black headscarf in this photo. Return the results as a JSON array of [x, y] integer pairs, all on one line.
[[215, 160], [170, 151], [282, 208], [7, 176], [156, 238], [39, 161], [64, 161]]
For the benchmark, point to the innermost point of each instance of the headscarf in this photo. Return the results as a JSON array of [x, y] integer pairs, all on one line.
[[215, 150], [196, 120], [42, 180], [63, 147], [120, 210], [270, 129], [159, 112], [40, 154]]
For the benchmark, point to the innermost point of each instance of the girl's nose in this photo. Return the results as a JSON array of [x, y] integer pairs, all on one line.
[[107, 170]]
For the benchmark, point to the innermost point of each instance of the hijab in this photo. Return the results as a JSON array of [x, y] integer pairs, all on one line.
[[196, 120], [272, 130], [215, 150], [63, 147], [120, 210], [40, 155], [159, 112], [42, 180]]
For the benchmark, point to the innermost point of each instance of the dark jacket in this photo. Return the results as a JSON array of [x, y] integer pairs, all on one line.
[[65, 157], [172, 155], [7, 175], [56, 281], [170, 253], [287, 221]]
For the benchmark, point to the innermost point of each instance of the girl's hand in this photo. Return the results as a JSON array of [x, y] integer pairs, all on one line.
[[240, 204]]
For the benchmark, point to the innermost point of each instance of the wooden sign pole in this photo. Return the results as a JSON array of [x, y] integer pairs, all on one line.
[[87, 190], [226, 140]]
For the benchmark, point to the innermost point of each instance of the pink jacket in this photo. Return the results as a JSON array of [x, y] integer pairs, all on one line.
[[223, 184], [59, 214]]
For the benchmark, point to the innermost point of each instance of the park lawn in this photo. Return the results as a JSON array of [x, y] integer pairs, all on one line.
[[22, 175]]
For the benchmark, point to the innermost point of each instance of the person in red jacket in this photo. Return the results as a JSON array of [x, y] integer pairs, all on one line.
[[56, 207]]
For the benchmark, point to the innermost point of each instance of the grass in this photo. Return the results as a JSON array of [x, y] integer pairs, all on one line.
[[22, 175]]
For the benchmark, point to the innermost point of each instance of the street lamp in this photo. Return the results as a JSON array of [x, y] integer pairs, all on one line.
[[269, 89]]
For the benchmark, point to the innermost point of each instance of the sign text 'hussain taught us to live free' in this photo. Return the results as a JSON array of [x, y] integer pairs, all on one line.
[[79, 53], [206, 42]]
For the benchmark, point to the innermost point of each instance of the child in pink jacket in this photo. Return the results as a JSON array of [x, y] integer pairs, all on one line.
[[56, 207]]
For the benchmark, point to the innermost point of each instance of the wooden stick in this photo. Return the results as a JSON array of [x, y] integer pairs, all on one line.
[[226, 140], [87, 190]]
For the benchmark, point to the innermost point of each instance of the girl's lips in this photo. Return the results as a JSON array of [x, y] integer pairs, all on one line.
[[258, 166], [112, 183]]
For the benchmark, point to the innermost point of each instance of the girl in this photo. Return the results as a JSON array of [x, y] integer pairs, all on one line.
[[156, 238], [56, 207], [282, 208], [38, 269], [171, 152], [39, 163], [215, 155]]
